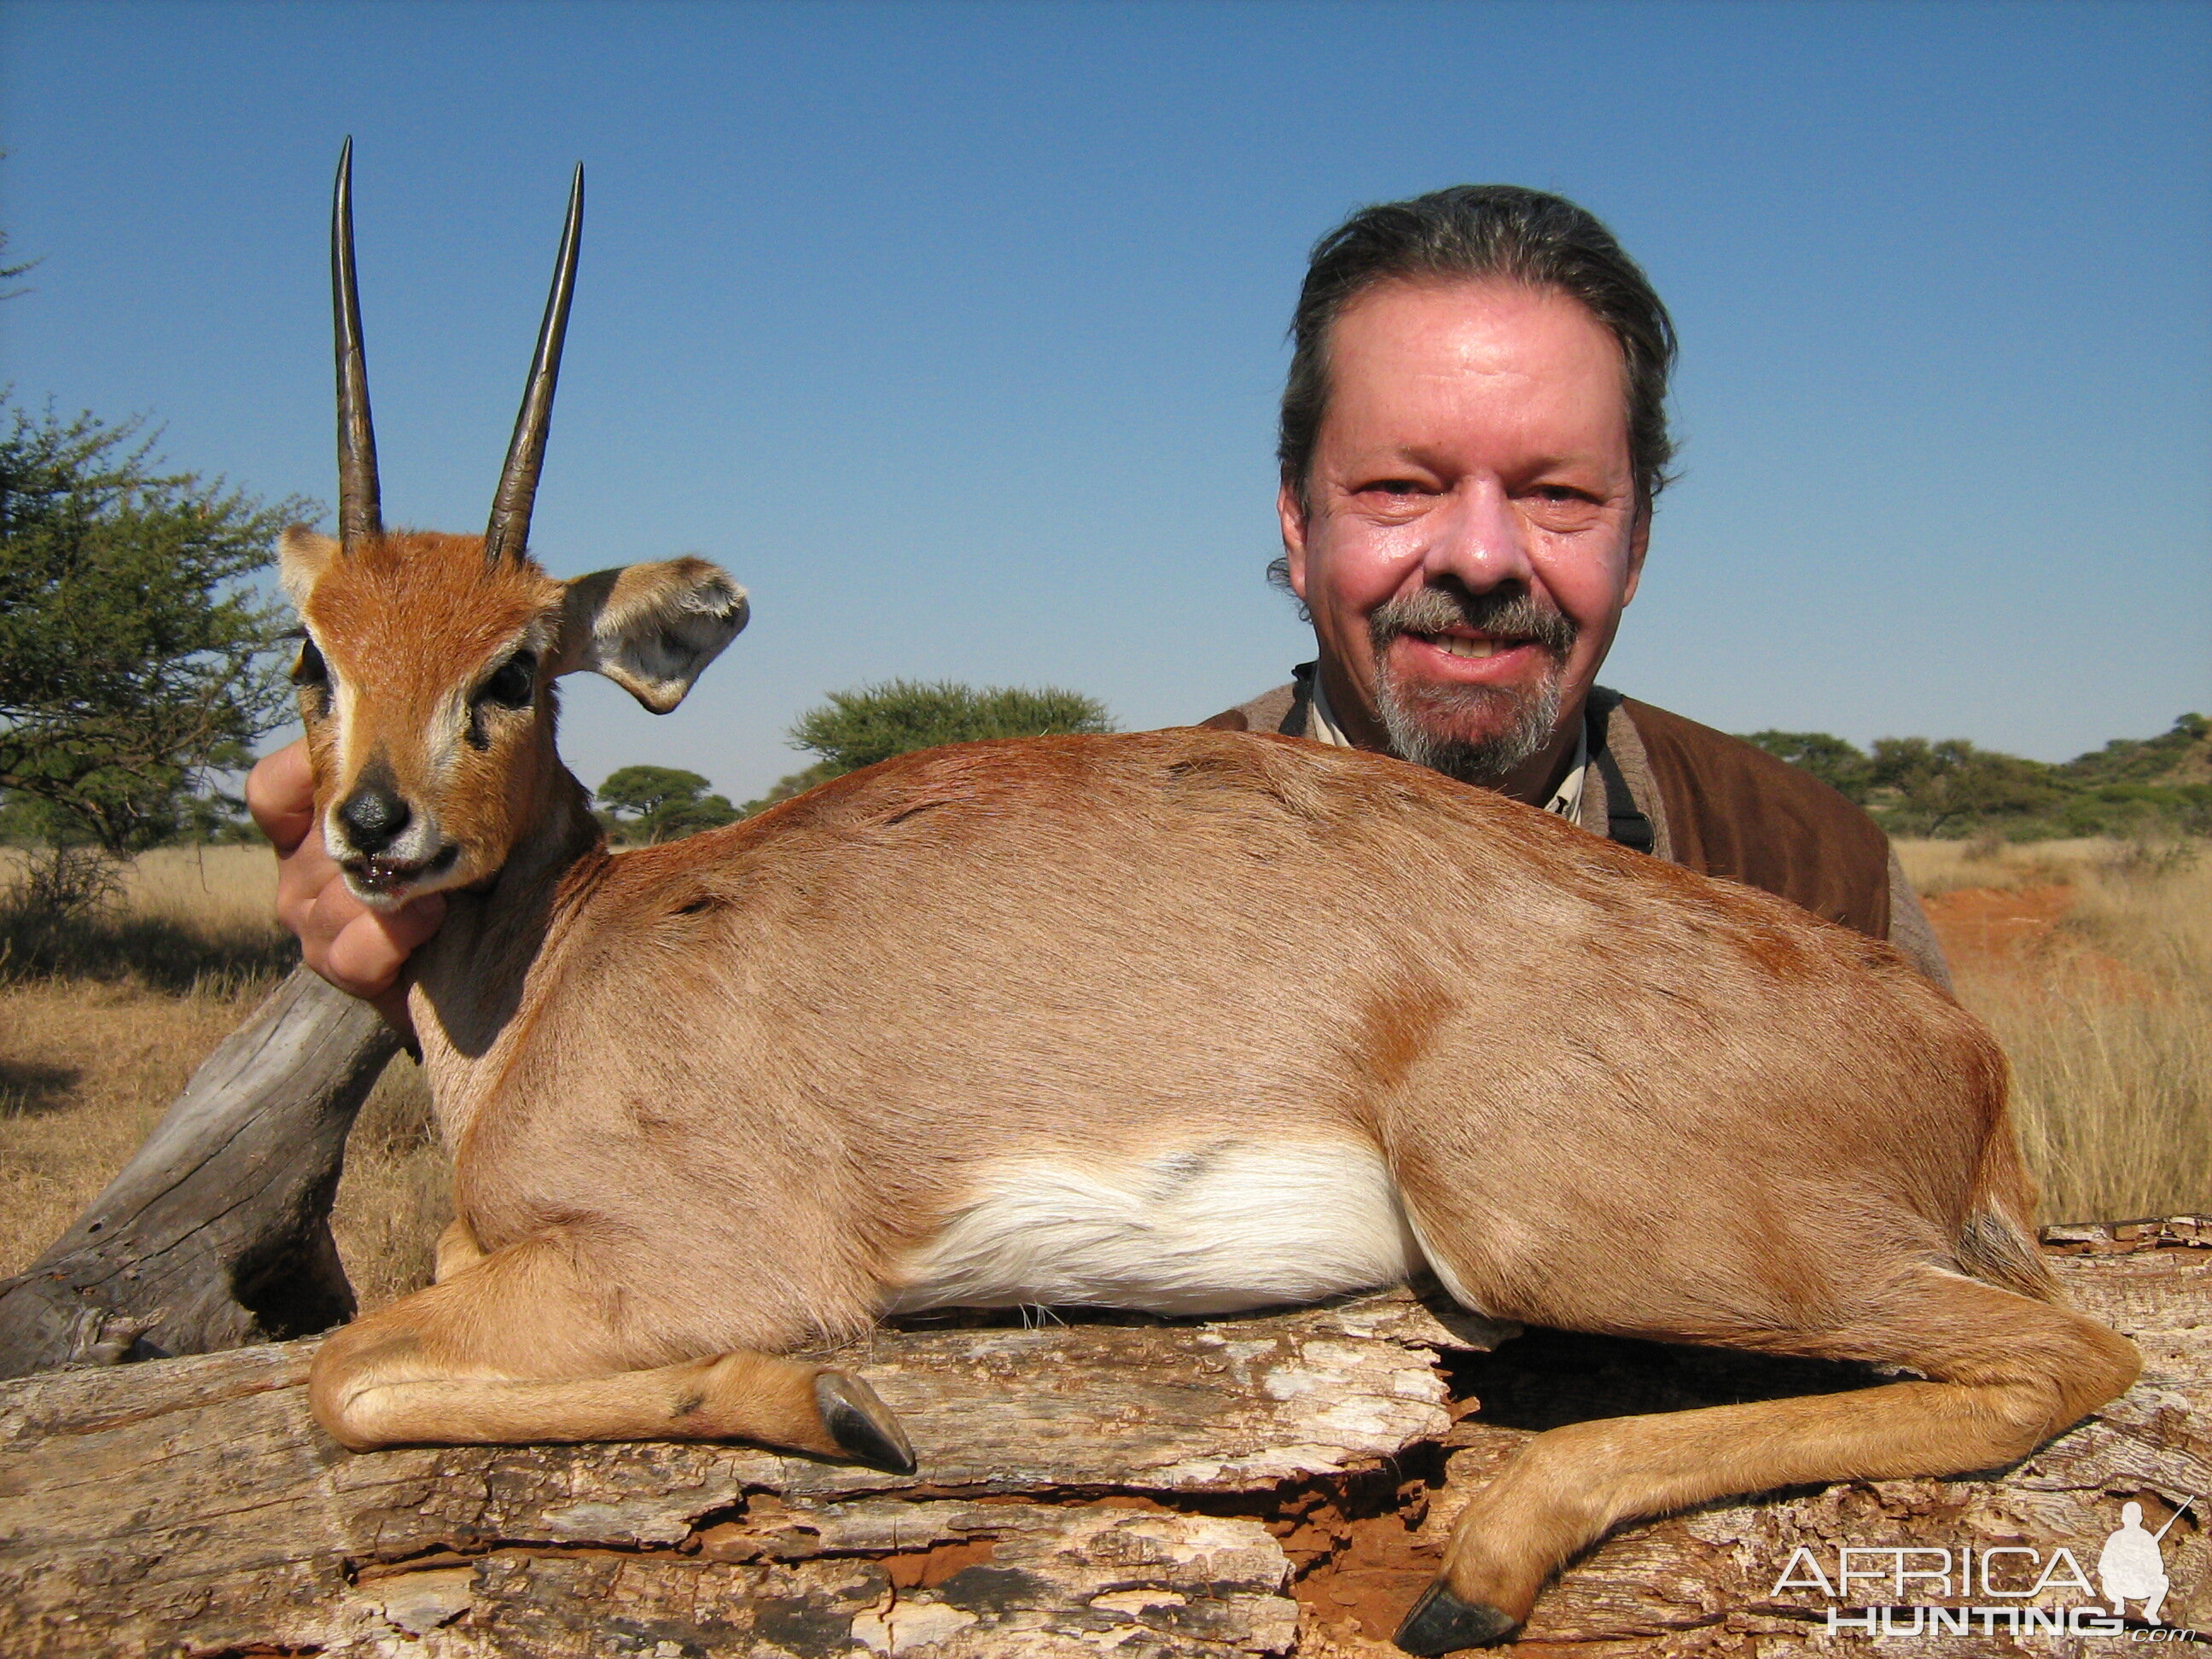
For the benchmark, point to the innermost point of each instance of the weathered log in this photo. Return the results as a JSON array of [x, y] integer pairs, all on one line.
[[191, 1506], [1706, 1582], [217, 1232], [1274, 1485]]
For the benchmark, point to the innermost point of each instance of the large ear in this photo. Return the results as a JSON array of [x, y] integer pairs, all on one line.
[[301, 558], [651, 629]]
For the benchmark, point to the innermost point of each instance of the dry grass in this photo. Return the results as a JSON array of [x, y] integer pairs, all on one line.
[[2114, 1070], [190, 920], [86, 1069], [2106, 1013], [397, 1192], [215, 891], [1944, 866], [93, 1049]]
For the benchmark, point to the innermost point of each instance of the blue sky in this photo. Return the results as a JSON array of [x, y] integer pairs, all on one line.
[[955, 331]]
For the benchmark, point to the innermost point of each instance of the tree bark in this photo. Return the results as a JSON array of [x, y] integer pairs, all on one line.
[[1084, 1488], [217, 1232], [1276, 1484]]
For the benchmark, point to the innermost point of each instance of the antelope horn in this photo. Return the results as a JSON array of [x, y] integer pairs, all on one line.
[[509, 532], [361, 515]]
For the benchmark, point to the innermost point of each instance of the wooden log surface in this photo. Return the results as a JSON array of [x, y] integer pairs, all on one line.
[[217, 1232], [1278, 1484], [191, 1506]]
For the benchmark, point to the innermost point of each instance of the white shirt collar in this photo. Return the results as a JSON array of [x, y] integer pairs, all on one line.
[[1320, 721], [1566, 801]]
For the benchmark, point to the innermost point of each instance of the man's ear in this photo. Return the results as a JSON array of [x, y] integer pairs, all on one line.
[[1640, 543], [651, 629], [1291, 513], [301, 558]]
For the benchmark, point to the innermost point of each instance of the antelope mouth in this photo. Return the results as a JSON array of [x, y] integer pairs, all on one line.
[[387, 878]]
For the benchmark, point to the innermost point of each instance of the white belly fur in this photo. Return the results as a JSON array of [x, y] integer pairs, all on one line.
[[1205, 1229]]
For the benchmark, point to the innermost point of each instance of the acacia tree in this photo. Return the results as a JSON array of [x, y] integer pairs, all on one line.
[[1951, 787], [660, 803], [135, 659], [1840, 764], [859, 729], [9, 273]]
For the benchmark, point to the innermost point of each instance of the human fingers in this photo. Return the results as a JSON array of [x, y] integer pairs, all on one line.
[[280, 793], [362, 950], [312, 896], [374, 948]]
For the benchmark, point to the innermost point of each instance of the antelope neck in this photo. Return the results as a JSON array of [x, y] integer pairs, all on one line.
[[470, 999]]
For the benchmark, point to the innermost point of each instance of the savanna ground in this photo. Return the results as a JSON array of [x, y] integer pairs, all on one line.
[[2091, 959]]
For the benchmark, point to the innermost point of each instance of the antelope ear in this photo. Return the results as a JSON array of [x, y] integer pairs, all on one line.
[[651, 629], [301, 558]]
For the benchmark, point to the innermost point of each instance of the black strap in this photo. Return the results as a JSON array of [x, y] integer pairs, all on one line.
[[1624, 822]]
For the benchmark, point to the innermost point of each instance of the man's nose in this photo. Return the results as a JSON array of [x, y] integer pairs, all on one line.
[[1478, 541]]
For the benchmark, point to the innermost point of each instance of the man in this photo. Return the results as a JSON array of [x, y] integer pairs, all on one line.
[[1474, 434]]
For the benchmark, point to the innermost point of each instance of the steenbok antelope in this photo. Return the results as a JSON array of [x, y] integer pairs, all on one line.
[[1185, 1021]]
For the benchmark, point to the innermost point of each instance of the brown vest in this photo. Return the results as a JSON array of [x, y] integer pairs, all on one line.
[[1736, 811], [1728, 809]]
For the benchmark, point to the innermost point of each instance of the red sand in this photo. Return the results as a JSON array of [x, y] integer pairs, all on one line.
[[1989, 932], [1997, 928]]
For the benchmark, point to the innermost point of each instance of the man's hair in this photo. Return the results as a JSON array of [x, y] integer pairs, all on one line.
[[1471, 233]]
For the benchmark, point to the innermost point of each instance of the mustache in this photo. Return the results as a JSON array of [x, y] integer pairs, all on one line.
[[1504, 615]]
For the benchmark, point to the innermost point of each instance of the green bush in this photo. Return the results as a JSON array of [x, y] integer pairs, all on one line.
[[136, 658], [654, 804], [859, 729], [2131, 788]]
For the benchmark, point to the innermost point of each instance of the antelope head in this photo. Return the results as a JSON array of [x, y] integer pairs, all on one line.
[[426, 676]]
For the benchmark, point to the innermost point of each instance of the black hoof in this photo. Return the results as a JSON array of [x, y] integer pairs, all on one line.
[[861, 1424], [1441, 1623]]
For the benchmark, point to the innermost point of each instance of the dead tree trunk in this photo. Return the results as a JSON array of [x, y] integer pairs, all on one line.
[[217, 1232]]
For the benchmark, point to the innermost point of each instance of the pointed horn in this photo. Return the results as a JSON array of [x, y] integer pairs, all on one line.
[[360, 512], [509, 533]]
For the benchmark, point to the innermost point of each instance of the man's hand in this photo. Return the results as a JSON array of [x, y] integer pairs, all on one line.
[[360, 951]]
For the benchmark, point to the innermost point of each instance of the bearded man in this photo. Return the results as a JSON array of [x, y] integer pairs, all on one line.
[[1474, 434]]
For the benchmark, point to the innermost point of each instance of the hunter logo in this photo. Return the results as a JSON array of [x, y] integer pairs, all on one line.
[[2011, 1589], [2132, 1567]]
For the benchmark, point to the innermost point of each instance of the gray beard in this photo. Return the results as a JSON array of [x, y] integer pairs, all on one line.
[[1418, 719]]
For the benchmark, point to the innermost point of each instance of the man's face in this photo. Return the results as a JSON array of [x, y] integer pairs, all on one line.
[[1474, 531]]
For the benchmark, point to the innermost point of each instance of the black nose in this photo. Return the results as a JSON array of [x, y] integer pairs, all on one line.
[[373, 815]]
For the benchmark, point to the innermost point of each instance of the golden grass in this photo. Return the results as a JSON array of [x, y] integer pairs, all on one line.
[[396, 1192], [188, 920], [2106, 1016], [1944, 866], [212, 889], [86, 1069], [215, 890], [89, 1060], [2111, 1041]]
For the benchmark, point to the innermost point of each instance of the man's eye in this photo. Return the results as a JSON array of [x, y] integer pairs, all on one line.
[[311, 669], [1393, 487], [512, 683]]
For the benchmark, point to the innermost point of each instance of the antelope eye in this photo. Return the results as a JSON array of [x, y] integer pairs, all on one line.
[[512, 682], [311, 669]]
